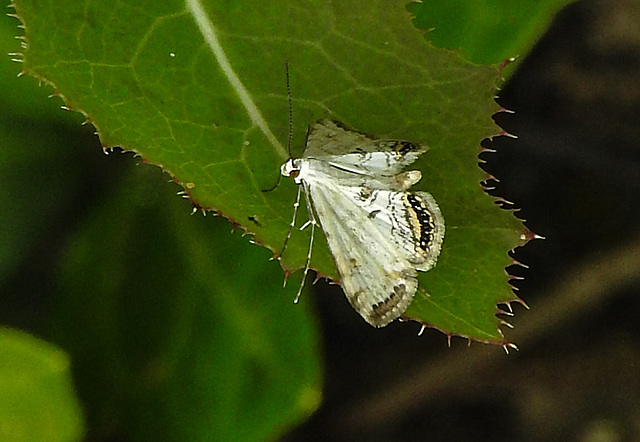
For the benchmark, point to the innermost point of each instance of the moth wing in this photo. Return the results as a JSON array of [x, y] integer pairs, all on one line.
[[357, 152], [377, 276], [412, 219]]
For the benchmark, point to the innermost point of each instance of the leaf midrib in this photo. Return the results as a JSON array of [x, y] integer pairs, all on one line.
[[208, 31]]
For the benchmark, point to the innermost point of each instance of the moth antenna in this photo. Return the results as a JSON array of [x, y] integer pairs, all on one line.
[[290, 139], [289, 99], [274, 186]]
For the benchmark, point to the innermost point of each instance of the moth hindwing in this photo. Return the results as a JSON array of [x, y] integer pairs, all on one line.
[[379, 233]]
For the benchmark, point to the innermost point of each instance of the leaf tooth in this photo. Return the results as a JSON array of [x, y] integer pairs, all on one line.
[[286, 277], [519, 301], [506, 324], [529, 236], [508, 304], [515, 262], [486, 186], [505, 204], [504, 312], [491, 177], [487, 149]]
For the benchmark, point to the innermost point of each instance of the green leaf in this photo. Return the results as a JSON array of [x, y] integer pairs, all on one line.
[[485, 31], [198, 88], [37, 399], [180, 330], [234, 346]]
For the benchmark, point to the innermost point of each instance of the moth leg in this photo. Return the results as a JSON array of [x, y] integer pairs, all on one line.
[[293, 223], [313, 222], [305, 225]]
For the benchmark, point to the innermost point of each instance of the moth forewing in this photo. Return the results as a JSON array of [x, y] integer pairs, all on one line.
[[329, 141]]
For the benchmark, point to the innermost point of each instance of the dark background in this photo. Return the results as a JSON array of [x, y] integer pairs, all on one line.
[[574, 173]]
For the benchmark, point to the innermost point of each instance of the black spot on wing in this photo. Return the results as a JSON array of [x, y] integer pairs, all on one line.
[[365, 193], [404, 147], [380, 312], [421, 219]]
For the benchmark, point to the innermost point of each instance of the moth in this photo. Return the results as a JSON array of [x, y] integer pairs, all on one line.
[[379, 233]]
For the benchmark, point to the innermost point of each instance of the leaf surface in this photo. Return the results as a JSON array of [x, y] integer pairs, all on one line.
[[199, 88]]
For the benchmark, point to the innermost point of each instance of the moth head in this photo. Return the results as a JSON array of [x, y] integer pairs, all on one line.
[[290, 169]]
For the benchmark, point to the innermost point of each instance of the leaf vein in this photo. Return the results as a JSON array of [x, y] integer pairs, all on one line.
[[208, 31]]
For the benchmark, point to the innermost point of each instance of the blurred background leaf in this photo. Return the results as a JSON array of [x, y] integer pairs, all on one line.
[[38, 401], [186, 331]]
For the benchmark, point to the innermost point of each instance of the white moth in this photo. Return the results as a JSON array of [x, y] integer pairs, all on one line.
[[379, 233]]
